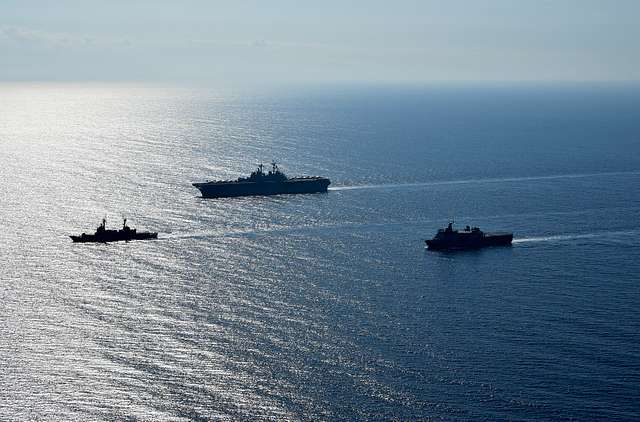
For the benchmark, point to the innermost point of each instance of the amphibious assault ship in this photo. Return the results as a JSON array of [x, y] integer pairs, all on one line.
[[103, 235], [469, 238], [259, 182]]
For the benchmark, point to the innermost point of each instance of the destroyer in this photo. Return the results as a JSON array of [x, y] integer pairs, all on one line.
[[260, 182], [103, 235], [469, 238]]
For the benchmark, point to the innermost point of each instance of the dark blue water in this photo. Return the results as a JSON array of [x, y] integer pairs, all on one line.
[[321, 307]]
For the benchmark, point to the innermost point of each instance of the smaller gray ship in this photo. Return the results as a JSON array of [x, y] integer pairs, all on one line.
[[260, 182], [102, 235], [449, 239]]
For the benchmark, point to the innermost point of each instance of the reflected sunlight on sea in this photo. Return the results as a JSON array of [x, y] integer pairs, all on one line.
[[324, 306]]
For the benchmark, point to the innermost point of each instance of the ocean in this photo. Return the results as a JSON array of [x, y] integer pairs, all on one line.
[[322, 306]]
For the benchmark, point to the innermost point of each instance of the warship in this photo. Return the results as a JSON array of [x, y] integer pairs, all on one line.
[[259, 182], [103, 235], [469, 238]]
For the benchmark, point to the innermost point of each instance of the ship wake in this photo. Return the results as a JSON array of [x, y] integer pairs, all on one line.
[[621, 235], [484, 181]]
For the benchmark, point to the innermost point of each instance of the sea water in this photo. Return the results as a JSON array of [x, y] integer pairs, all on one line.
[[323, 306]]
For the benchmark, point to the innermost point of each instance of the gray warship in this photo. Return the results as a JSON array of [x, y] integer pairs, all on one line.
[[260, 182], [102, 235], [469, 238]]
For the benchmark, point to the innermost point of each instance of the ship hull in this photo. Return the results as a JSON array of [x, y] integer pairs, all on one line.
[[487, 240], [234, 189], [104, 238]]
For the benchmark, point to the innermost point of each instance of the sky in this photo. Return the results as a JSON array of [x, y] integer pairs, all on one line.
[[279, 41]]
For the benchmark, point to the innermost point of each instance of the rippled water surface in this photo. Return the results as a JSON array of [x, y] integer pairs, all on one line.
[[325, 306]]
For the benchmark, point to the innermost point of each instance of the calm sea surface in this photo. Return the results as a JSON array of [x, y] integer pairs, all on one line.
[[325, 306]]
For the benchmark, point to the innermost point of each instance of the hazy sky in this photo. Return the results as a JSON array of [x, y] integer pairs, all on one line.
[[247, 41]]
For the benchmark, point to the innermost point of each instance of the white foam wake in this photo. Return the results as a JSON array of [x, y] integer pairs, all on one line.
[[482, 181], [576, 236]]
